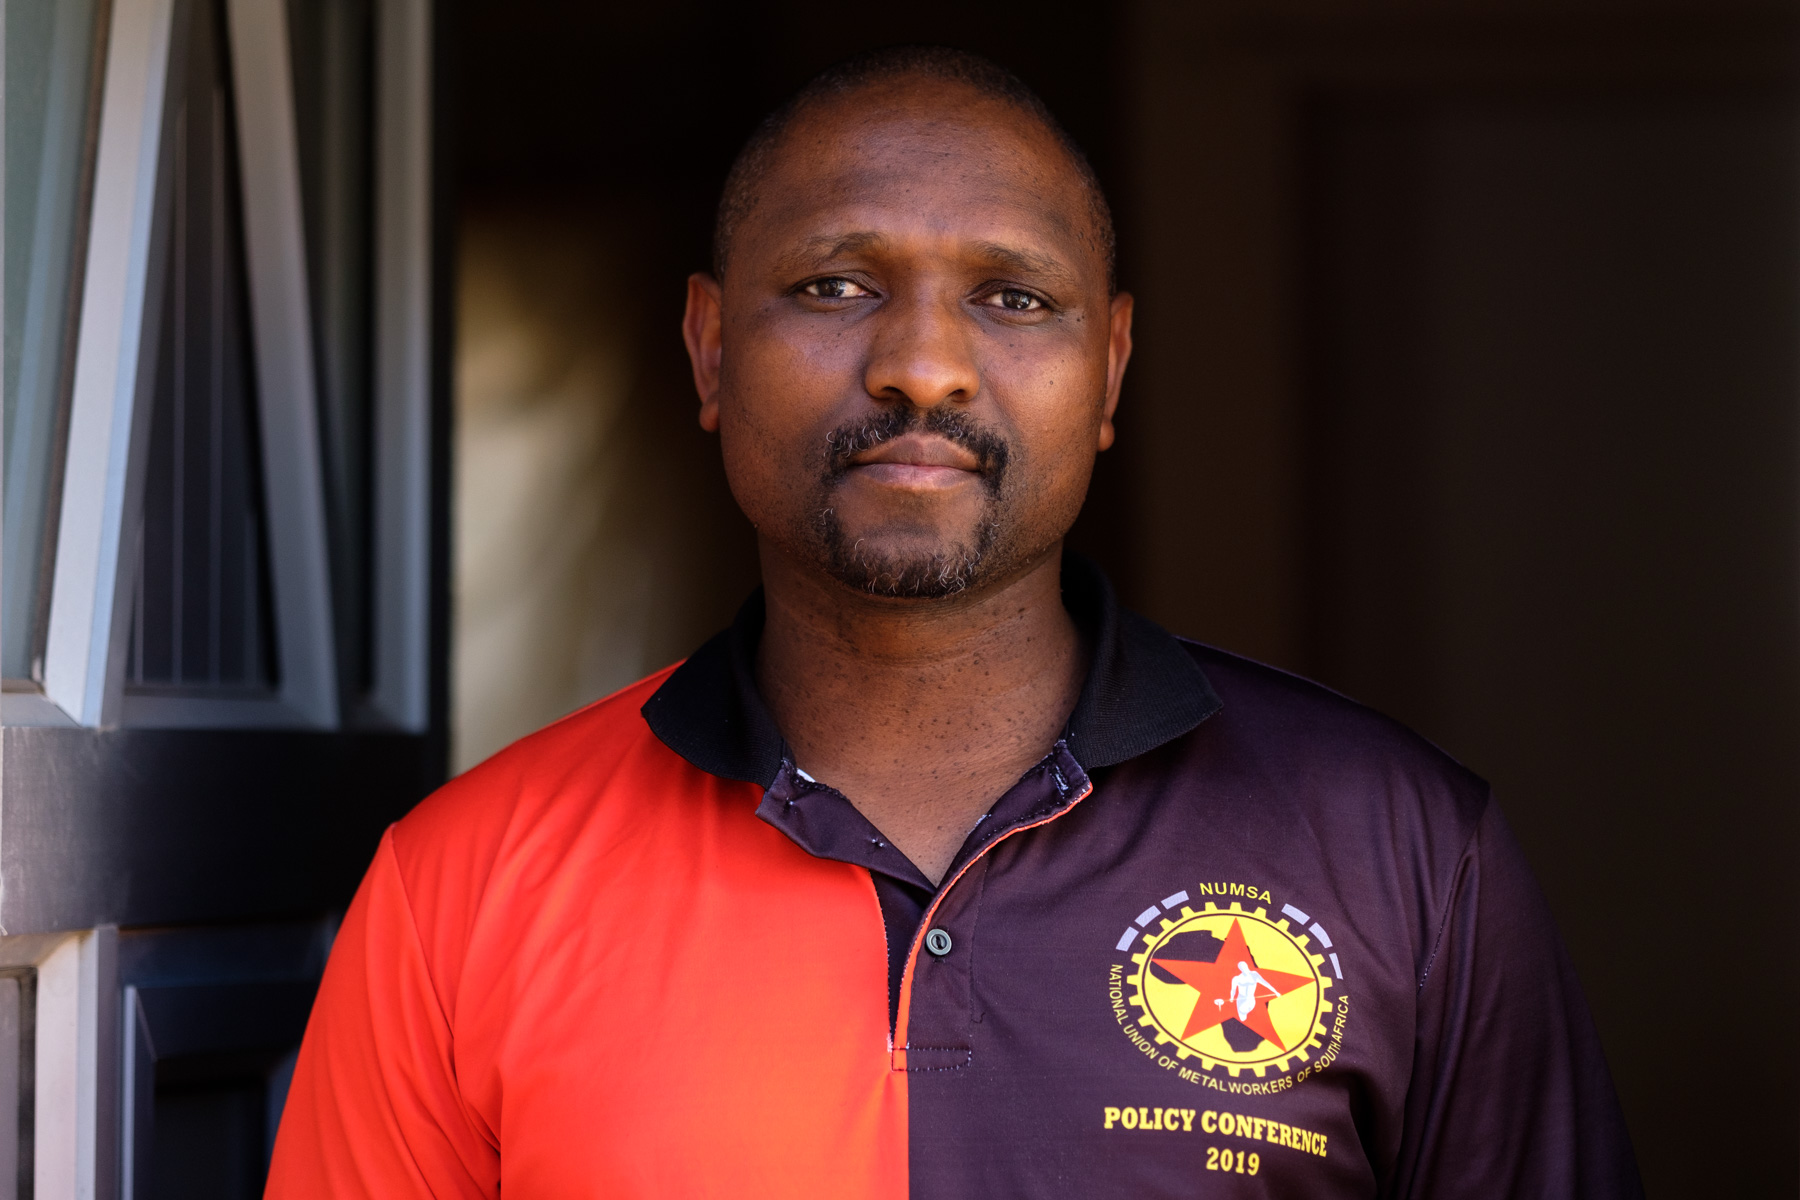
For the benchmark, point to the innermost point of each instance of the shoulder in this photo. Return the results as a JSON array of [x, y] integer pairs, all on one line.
[[1364, 808], [529, 802], [1322, 738], [487, 850], [586, 746]]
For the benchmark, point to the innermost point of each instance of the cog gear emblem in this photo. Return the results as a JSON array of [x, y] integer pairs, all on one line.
[[1232, 988]]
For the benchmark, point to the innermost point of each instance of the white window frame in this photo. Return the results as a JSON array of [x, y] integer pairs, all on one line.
[[74, 1056], [400, 697], [101, 503]]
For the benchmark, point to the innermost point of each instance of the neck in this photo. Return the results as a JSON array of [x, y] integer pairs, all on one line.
[[922, 712]]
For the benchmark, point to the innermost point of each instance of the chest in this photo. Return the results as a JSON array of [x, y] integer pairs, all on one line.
[[1116, 1012]]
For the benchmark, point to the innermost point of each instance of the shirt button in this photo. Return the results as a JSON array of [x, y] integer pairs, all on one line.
[[938, 942]]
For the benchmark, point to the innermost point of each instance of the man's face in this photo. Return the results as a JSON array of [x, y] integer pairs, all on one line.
[[913, 357]]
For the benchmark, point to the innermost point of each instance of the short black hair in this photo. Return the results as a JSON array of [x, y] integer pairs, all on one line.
[[887, 65]]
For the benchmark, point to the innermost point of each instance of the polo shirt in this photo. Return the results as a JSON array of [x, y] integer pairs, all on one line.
[[1235, 935]]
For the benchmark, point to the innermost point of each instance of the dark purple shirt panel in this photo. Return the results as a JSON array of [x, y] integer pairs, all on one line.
[[1235, 936], [1457, 1058]]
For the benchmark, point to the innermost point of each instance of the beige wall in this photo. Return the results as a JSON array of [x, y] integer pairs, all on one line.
[[593, 540]]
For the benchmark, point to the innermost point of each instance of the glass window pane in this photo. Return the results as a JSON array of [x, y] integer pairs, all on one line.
[[201, 617], [49, 78], [333, 54]]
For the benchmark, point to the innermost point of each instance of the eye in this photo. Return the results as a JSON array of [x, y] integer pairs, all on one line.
[[836, 288], [1013, 300]]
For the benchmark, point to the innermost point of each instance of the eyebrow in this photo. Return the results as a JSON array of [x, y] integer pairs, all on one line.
[[821, 246], [1026, 262], [824, 247]]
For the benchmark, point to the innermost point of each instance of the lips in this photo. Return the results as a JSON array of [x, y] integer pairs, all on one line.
[[901, 448], [918, 450], [916, 461]]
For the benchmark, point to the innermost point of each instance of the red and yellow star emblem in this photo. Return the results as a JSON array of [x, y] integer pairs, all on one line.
[[1220, 984], [1259, 1003]]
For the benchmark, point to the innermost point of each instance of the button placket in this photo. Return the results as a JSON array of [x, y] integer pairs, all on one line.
[[941, 1025], [939, 1009], [937, 1035]]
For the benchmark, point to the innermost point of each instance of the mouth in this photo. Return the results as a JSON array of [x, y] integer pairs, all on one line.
[[917, 461]]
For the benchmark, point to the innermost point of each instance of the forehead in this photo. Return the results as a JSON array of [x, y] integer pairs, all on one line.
[[939, 162]]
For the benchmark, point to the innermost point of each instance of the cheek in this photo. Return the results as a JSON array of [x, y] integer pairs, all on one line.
[[773, 414], [800, 359], [1055, 411], [780, 375], [752, 453]]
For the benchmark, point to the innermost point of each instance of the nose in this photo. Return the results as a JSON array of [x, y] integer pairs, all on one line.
[[922, 355]]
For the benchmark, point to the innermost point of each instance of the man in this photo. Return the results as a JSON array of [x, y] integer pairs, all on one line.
[[939, 874]]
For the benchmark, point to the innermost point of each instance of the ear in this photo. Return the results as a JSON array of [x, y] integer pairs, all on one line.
[[1118, 353], [701, 330]]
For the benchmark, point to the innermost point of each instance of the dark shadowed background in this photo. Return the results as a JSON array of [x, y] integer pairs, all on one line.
[[1467, 383]]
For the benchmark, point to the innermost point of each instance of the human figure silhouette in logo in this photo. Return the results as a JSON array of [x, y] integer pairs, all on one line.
[[1243, 989]]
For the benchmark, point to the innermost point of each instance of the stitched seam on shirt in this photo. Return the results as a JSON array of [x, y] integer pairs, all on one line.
[[412, 927], [967, 1051], [987, 870], [473, 1118], [1437, 942], [887, 953]]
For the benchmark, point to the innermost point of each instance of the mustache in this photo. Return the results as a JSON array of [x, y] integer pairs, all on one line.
[[853, 437]]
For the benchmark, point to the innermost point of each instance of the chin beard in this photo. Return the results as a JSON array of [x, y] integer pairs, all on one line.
[[931, 576], [918, 577]]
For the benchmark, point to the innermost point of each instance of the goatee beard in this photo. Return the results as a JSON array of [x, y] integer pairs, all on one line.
[[933, 576]]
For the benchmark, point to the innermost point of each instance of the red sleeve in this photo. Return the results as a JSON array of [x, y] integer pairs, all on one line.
[[374, 1109]]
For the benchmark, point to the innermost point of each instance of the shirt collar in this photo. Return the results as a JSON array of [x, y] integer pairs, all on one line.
[[1143, 689]]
